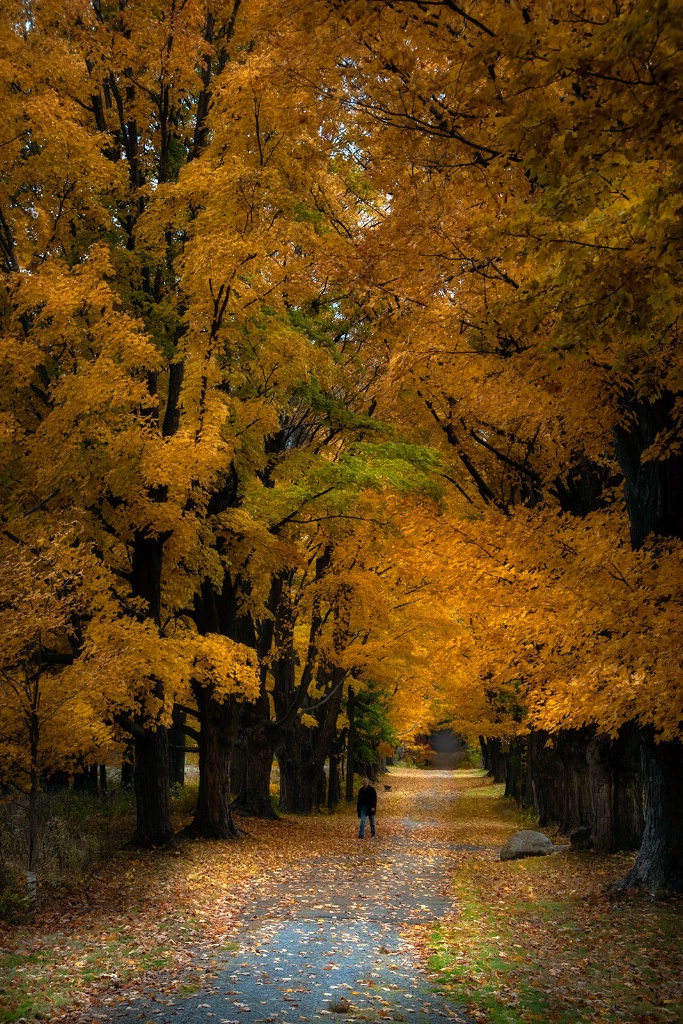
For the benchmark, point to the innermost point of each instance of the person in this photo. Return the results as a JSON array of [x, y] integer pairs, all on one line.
[[366, 807]]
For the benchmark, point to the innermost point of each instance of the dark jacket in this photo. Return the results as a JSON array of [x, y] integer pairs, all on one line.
[[367, 797]]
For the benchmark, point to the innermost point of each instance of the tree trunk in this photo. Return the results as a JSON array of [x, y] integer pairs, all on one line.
[[653, 489], [560, 780], [177, 741], [333, 782], [659, 865], [303, 752], [150, 778], [85, 780], [296, 786], [56, 782], [350, 743], [629, 809], [598, 755], [616, 787], [255, 749], [497, 760], [513, 769], [127, 769], [213, 818]]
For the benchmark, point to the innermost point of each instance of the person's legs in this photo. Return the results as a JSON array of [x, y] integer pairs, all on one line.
[[363, 814], [372, 825]]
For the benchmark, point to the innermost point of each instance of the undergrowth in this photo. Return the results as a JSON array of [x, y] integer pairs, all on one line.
[[78, 831]]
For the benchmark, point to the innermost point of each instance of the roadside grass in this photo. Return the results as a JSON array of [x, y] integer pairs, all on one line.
[[38, 985], [49, 954], [546, 939]]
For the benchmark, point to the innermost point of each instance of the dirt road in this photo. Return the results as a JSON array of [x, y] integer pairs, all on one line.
[[328, 936]]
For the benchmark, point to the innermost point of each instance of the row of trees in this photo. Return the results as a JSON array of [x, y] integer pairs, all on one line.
[[341, 344]]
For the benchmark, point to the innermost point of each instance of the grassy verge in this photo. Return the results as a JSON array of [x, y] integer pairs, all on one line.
[[89, 930], [544, 939]]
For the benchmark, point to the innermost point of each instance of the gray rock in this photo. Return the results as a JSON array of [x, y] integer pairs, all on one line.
[[526, 843]]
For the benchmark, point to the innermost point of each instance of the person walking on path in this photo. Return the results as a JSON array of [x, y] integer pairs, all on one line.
[[366, 807]]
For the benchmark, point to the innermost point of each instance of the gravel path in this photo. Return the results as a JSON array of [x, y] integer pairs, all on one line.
[[328, 944]]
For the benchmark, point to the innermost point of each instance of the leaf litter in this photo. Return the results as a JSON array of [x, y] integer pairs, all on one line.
[[516, 941]]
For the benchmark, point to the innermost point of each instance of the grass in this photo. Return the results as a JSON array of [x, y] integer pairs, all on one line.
[[82, 835], [546, 940], [35, 987]]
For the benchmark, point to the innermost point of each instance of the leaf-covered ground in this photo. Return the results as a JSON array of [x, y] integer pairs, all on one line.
[[307, 919]]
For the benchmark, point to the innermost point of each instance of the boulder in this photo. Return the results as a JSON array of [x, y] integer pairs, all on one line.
[[526, 843]]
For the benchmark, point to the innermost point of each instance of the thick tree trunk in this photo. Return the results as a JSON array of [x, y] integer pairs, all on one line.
[[560, 778], [659, 865], [653, 489], [629, 808], [303, 752], [150, 777], [297, 786], [334, 791], [497, 760], [127, 769], [616, 787], [257, 749], [598, 755], [513, 768], [213, 818]]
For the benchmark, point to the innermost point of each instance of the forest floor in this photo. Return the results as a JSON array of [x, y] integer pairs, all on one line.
[[300, 921]]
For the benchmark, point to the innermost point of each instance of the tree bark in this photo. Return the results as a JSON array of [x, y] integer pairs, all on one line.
[[659, 865], [513, 768], [497, 760], [350, 743], [560, 781], [303, 752], [177, 741], [213, 817], [334, 786], [150, 778], [253, 735], [629, 807], [127, 769], [616, 787], [256, 746]]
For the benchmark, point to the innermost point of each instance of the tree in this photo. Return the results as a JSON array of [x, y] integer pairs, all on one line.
[[48, 715]]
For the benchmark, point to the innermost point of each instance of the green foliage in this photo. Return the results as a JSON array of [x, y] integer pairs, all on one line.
[[402, 467], [371, 711]]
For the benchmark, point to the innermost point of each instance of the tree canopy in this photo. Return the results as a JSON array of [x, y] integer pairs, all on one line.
[[340, 347]]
